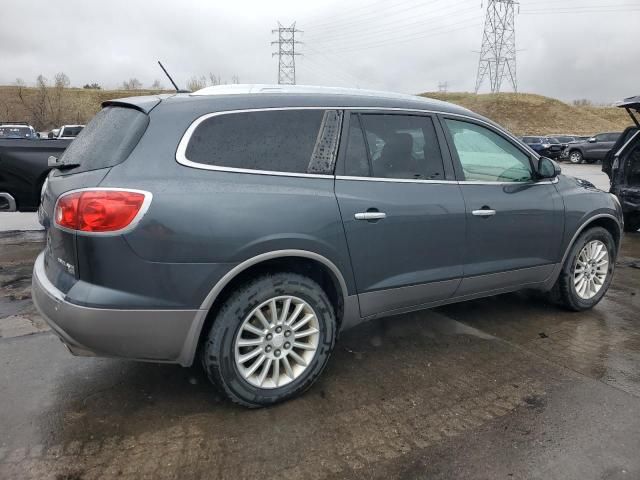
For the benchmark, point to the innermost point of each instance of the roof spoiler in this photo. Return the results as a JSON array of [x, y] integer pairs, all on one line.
[[630, 104], [143, 103]]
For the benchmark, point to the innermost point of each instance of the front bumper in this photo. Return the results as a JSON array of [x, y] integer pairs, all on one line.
[[150, 335]]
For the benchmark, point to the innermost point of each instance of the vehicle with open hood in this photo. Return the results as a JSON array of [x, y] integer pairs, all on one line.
[[622, 165]]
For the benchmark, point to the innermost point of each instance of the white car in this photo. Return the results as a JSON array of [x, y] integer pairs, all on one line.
[[66, 131]]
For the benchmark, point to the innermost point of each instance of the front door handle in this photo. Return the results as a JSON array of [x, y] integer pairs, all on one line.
[[370, 215], [484, 212]]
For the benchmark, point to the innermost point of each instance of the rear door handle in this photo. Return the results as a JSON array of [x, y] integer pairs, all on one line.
[[484, 212], [370, 215]]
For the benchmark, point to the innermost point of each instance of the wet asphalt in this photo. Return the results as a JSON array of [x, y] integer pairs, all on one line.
[[504, 387]]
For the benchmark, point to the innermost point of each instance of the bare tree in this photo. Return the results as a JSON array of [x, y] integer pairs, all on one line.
[[582, 102], [132, 84], [214, 80], [196, 83], [235, 79], [156, 85], [20, 82]]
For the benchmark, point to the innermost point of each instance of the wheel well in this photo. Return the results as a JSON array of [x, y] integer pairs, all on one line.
[[608, 224], [308, 267]]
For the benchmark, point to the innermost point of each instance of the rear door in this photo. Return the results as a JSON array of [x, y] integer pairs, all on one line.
[[514, 223], [402, 210]]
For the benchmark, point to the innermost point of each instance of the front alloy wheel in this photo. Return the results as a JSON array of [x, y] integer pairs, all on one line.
[[587, 271], [575, 157], [591, 269]]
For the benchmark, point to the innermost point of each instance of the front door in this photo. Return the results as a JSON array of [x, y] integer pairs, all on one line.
[[402, 211], [514, 223]]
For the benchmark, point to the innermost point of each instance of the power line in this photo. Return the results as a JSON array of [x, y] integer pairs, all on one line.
[[498, 51], [397, 25], [286, 53], [422, 35]]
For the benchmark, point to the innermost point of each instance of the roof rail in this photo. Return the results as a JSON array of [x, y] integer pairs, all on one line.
[[15, 123]]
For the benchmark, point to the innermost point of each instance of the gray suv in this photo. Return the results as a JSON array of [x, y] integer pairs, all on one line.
[[250, 225]]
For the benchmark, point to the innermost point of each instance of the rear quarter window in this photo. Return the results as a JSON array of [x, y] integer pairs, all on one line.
[[292, 141], [107, 140]]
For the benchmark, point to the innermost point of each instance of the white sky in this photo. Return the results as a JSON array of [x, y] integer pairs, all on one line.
[[566, 48]]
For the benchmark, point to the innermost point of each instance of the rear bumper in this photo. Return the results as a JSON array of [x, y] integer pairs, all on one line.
[[149, 335]]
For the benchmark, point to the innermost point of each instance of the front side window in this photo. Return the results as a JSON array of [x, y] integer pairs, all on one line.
[[402, 146], [487, 156], [295, 141]]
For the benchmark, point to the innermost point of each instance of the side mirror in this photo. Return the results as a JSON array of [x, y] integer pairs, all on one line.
[[547, 168], [52, 161], [592, 140]]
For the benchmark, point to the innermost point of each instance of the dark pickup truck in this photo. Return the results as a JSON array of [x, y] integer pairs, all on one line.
[[23, 169], [622, 165]]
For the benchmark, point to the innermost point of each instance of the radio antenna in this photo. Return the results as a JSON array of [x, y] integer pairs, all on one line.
[[171, 79]]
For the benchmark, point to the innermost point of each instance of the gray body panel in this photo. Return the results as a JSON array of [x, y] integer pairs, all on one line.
[[204, 227]]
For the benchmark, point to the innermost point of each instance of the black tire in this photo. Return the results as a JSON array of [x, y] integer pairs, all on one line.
[[575, 157], [632, 222], [564, 290], [218, 354]]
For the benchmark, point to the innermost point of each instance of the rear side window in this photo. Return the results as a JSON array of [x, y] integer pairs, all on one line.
[[402, 146], [292, 141], [107, 140]]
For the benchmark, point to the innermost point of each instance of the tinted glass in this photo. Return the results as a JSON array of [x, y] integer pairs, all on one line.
[[612, 137], [487, 156], [279, 140], [15, 132], [356, 162], [107, 140], [532, 140], [403, 146]]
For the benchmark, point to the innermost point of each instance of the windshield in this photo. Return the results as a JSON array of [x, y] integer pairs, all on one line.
[[16, 132]]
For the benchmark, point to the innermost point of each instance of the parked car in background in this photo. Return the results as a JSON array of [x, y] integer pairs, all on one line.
[[544, 146], [17, 130], [622, 165], [593, 149], [66, 132], [565, 140], [23, 169], [248, 225]]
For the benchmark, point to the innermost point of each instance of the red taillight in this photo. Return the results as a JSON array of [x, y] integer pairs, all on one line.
[[98, 210]]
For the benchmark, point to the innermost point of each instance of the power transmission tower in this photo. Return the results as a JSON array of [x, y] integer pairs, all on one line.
[[286, 53], [498, 51]]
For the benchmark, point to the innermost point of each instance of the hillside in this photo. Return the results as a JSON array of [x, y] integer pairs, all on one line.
[[521, 113], [47, 109], [525, 113]]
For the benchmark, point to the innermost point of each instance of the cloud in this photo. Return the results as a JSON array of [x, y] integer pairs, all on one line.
[[400, 45]]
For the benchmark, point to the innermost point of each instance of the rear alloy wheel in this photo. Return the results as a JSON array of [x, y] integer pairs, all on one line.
[[587, 271], [270, 340], [575, 156]]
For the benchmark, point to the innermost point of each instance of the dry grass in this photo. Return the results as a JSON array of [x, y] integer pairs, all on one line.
[[525, 113], [521, 113], [79, 104]]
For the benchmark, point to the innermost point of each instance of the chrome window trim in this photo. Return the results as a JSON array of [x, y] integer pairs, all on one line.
[[148, 196], [392, 180], [182, 159]]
